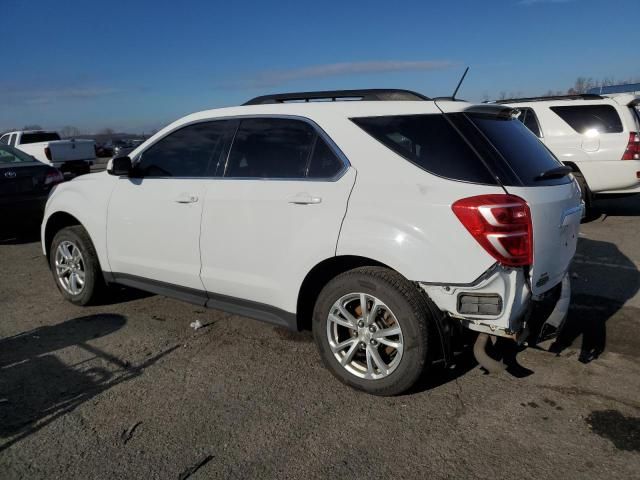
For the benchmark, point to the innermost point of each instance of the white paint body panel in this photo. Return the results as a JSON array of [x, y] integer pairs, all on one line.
[[242, 238], [152, 234], [86, 198], [258, 246]]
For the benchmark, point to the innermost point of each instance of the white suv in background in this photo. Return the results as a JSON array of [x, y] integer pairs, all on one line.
[[597, 136], [386, 225]]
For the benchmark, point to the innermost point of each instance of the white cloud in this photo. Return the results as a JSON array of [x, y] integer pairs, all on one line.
[[38, 96], [535, 2], [276, 77]]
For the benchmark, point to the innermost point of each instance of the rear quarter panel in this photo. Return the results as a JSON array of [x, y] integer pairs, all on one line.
[[400, 215]]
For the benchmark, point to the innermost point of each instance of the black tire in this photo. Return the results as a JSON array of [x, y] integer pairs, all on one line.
[[587, 196], [413, 313], [94, 286]]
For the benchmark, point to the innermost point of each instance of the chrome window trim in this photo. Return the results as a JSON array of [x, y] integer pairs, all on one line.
[[321, 133]]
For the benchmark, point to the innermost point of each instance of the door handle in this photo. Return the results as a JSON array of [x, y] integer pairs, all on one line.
[[305, 199], [186, 198]]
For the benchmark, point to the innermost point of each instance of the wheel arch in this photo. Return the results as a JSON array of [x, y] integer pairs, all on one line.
[[329, 268], [319, 276], [573, 166], [56, 222]]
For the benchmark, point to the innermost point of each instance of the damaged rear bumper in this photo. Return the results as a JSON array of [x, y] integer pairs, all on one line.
[[500, 303]]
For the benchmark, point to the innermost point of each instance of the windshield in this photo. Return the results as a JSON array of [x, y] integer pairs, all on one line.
[[37, 137], [10, 155]]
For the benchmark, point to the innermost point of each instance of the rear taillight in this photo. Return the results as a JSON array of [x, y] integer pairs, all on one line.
[[633, 147], [53, 177], [501, 224], [47, 153]]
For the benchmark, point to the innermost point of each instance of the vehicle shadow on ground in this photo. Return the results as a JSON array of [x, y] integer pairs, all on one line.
[[614, 206], [37, 387], [603, 279], [20, 232]]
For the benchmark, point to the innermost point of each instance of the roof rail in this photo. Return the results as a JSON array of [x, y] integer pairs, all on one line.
[[372, 94], [581, 96]]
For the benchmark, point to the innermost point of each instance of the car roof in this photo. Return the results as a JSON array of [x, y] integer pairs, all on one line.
[[348, 109]]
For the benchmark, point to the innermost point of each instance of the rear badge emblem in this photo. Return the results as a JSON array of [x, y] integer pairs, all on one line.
[[10, 174]]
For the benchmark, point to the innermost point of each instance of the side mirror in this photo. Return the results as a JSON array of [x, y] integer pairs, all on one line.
[[120, 166]]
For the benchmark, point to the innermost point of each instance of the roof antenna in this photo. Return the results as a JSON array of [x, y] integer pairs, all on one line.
[[453, 97]]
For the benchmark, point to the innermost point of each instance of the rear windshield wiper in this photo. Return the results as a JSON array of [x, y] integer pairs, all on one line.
[[557, 172]]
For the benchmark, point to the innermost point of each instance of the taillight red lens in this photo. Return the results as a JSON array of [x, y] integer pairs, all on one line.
[[53, 177], [47, 152], [501, 224], [633, 147]]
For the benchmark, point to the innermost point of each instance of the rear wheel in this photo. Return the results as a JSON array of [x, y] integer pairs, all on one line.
[[372, 328], [75, 267], [587, 196]]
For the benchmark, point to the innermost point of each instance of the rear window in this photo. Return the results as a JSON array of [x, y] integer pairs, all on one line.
[[431, 143], [38, 137], [525, 155], [582, 118]]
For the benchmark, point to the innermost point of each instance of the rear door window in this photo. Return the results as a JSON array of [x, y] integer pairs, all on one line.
[[37, 137], [324, 162], [583, 118], [193, 151], [431, 143], [271, 148]]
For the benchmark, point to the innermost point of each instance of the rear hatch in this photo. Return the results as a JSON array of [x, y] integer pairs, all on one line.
[[69, 150], [527, 169]]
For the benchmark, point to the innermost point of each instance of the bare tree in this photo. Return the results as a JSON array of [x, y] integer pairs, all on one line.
[[581, 85], [69, 132]]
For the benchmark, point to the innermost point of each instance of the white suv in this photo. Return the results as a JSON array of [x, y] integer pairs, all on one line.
[[597, 136], [385, 225]]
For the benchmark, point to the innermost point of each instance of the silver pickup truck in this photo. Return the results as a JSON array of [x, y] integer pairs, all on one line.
[[70, 156]]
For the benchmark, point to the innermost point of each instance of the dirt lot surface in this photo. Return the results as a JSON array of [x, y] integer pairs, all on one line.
[[129, 390]]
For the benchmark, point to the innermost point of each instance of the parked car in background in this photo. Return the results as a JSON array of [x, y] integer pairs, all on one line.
[[633, 88], [124, 147], [104, 149], [387, 225], [597, 136], [25, 184], [69, 156]]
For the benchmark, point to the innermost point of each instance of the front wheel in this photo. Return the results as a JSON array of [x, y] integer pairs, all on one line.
[[75, 267], [373, 329]]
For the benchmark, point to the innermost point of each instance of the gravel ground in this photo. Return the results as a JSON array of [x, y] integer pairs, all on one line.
[[129, 390]]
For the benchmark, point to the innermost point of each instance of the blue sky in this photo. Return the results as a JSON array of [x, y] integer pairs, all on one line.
[[137, 65]]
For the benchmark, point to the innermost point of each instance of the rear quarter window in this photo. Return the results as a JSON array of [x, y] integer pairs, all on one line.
[[582, 118], [431, 143]]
